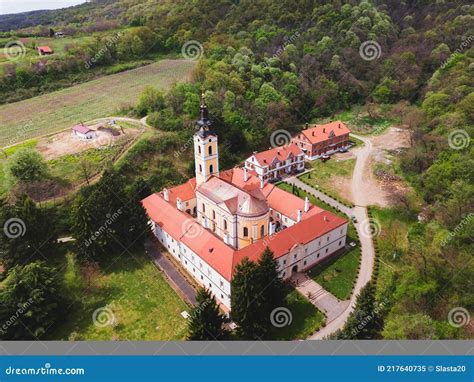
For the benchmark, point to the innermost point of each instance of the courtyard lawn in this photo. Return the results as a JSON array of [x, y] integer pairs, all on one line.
[[305, 319], [325, 176], [134, 297], [337, 275]]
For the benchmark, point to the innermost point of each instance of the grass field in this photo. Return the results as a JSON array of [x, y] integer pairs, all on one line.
[[58, 110], [337, 275], [329, 176], [305, 319], [140, 304]]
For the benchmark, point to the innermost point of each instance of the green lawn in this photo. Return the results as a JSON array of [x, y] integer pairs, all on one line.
[[337, 275], [324, 173], [56, 111], [305, 319], [145, 307]]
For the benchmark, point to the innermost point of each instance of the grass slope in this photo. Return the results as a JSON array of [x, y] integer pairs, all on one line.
[[145, 307], [57, 111]]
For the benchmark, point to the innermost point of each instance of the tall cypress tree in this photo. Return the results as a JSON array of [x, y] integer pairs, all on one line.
[[206, 322], [246, 301], [364, 322], [272, 287]]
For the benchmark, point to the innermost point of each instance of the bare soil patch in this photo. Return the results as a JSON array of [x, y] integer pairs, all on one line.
[[65, 143], [380, 190]]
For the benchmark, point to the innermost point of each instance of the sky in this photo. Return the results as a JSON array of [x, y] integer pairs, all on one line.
[[17, 6]]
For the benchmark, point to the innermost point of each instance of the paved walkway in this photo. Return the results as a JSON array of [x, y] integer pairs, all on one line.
[[327, 199], [180, 284], [319, 297]]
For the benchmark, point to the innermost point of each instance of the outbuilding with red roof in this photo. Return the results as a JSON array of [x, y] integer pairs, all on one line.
[[44, 50], [318, 140]]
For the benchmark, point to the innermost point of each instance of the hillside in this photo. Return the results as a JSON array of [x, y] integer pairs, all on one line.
[[268, 66]]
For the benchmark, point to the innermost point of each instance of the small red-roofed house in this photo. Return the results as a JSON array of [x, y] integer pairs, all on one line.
[[320, 140], [83, 132], [44, 50]]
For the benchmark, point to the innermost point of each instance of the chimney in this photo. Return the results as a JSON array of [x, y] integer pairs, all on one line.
[[246, 175], [312, 133], [324, 129], [179, 204], [326, 218], [298, 219], [262, 183], [306, 204], [166, 194], [339, 125]]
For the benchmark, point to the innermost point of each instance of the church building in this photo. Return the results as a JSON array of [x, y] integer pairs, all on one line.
[[213, 221]]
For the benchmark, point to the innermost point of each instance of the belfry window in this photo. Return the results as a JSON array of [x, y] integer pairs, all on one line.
[[200, 169], [199, 149], [210, 150], [211, 168]]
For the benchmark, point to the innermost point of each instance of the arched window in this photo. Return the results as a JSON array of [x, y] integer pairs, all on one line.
[[210, 150], [211, 168], [225, 224], [246, 232], [262, 231], [214, 215], [200, 169], [203, 207], [199, 149]]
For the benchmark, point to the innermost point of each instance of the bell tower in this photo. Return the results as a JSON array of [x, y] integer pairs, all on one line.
[[206, 157]]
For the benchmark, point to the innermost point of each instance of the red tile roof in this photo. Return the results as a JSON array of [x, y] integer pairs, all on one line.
[[283, 241], [185, 229], [223, 258], [185, 191], [82, 129], [236, 177], [265, 158], [45, 49], [320, 133], [287, 203]]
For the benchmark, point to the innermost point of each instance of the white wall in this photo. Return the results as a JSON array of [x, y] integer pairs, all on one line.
[[303, 256], [197, 267]]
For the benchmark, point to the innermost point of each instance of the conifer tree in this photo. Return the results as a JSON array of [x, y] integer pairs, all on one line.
[[206, 321]]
